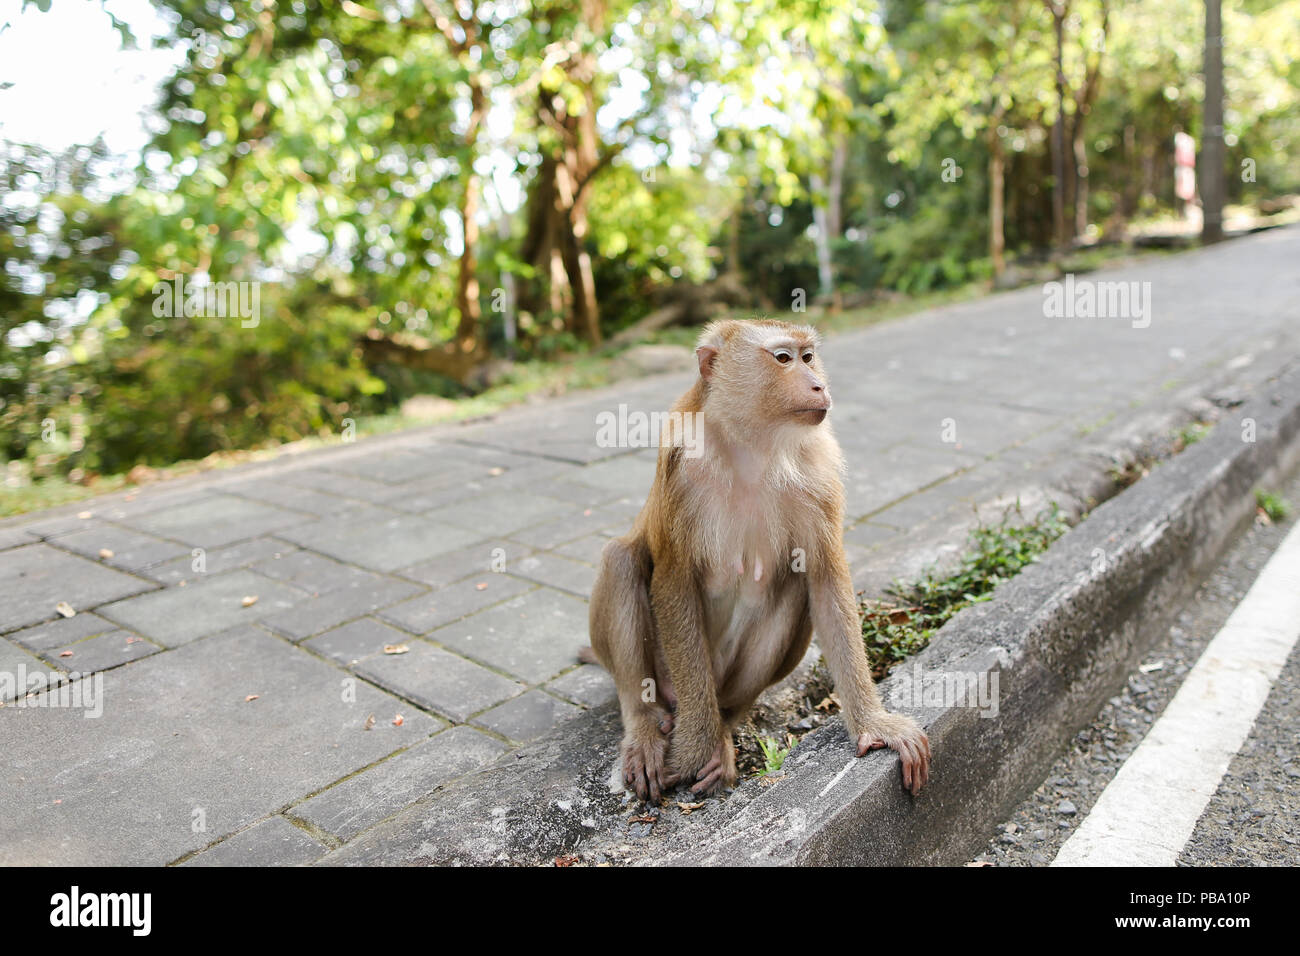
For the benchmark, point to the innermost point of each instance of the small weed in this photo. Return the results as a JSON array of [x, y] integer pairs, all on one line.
[[1272, 506], [773, 753], [1190, 434], [996, 554]]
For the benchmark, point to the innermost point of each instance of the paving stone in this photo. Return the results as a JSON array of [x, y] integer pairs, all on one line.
[[868, 534], [629, 475], [896, 472], [61, 631], [216, 521], [558, 572], [338, 484], [501, 512], [430, 494], [61, 524], [588, 684], [15, 537], [365, 799], [439, 680], [319, 613], [616, 515], [292, 497], [179, 615], [422, 614], [35, 578], [555, 625], [383, 545], [101, 653], [588, 549], [354, 642], [527, 716], [448, 568], [393, 468], [338, 592], [132, 551], [13, 662], [200, 562], [177, 738], [273, 842]]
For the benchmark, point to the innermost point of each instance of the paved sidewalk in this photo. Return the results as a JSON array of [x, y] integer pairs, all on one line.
[[243, 729]]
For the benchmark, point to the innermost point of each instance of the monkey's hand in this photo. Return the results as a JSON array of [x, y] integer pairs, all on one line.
[[643, 750], [903, 735], [719, 770]]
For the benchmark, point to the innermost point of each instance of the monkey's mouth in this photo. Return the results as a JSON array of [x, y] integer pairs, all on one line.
[[813, 416]]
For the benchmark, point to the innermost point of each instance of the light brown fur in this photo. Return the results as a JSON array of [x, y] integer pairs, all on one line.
[[704, 596]]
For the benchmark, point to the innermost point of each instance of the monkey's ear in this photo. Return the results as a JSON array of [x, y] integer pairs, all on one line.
[[705, 355]]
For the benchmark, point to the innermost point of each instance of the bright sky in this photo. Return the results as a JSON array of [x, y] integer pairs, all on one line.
[[71, 78]]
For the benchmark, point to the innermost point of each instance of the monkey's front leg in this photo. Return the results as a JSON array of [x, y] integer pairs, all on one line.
[[839, 633], [701, 748]]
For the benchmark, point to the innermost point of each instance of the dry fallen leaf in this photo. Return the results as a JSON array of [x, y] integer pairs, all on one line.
[[689, 808], [828, 702], [105, 553], [65, 653], [566, 860], [644, 818], [481, 586], [249, 600], [395, 648], [370, 722], [134, 640], [65, 609], [397, 721], [251, 697]]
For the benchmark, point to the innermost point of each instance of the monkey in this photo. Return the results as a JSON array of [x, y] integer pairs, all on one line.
[[734, 561]]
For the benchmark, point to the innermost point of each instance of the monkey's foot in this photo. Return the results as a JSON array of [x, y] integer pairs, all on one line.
[[903, 735], [721, 769], [644, 767]]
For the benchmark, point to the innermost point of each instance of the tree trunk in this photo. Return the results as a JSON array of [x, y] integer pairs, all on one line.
[[1211, 174], [1059, 223], [997, 237], [467, 329]]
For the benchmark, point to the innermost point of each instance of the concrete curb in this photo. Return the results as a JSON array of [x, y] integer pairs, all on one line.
[[1059, 640]]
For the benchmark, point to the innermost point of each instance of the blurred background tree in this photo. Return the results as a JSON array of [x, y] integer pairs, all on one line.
[[423, 188]]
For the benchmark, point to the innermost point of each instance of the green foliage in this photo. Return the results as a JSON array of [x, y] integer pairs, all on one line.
[[773, 753], [323, 151], [994, 554], [1273, 506]]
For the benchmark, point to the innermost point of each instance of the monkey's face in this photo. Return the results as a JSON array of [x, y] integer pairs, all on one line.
[[764, 374], [796, 380]]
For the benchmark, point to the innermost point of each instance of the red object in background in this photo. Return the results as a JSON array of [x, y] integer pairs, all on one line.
[[1184, 167]]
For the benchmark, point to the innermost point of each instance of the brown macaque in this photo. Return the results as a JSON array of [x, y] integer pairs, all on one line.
[[735, 560]]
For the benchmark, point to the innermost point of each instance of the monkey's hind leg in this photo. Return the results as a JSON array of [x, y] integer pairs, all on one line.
[[623, 638]]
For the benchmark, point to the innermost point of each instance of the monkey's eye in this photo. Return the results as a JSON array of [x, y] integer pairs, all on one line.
[[807, 358], [783, 356]]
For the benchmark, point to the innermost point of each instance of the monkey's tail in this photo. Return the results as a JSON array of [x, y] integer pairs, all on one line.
[[587, 655]]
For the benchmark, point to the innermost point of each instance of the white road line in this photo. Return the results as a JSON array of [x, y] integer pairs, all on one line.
[[1146, 815]]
